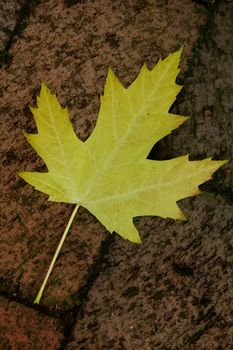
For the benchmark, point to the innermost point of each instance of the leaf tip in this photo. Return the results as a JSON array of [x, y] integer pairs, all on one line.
[[110, 73], [32, 109], [26, 135], [44, 91], [177, 54], [138, 240], [180, 50], [176, 57], [182, 119], [222, 162], [216, 164], [112, 81], [23, 175], [43, 85]]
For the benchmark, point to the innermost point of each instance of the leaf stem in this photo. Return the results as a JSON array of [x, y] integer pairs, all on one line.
[[39, 295]]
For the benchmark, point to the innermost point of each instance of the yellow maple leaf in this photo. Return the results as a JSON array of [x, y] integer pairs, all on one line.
[[109, 173]]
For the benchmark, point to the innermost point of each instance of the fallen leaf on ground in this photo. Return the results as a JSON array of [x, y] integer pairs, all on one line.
[[109, 173]]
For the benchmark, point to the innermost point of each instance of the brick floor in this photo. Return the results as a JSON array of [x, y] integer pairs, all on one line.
[[174, 291]]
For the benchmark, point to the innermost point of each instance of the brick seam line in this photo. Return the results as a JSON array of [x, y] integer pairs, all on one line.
[[71, 316], [206, 35], [24, 302], [22, 18]]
